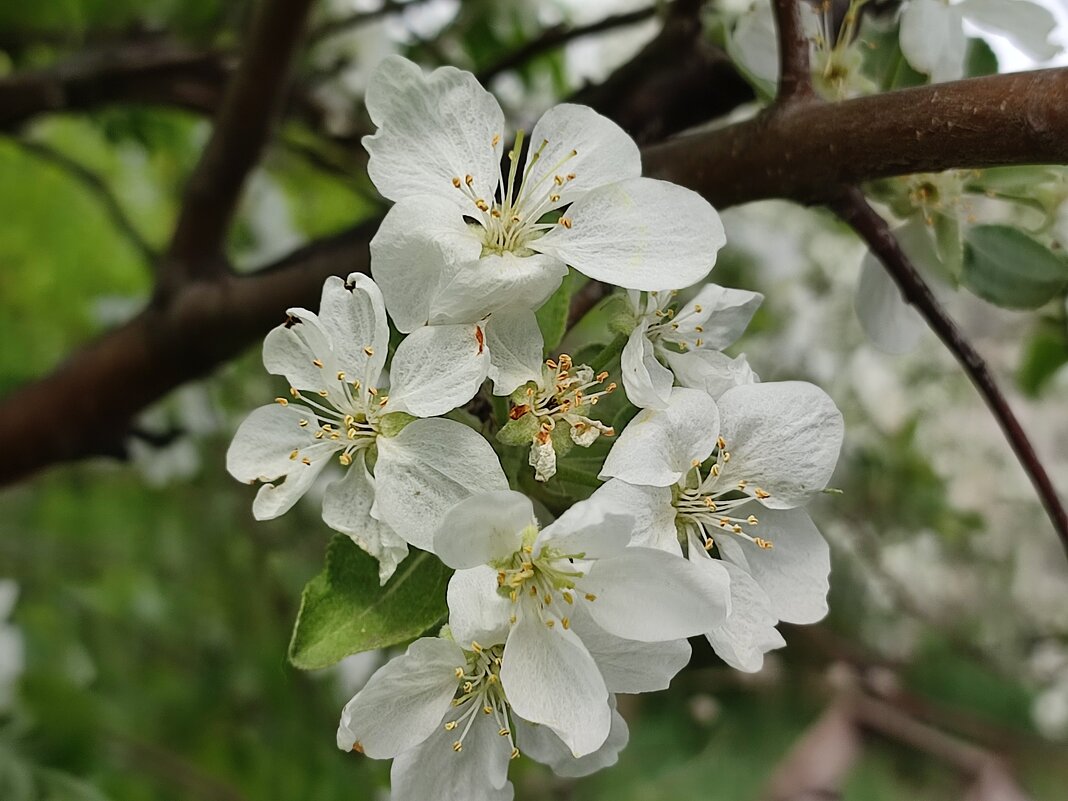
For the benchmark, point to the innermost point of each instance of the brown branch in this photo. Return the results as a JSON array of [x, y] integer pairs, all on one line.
[[809, 150], [558, 36], [249, 109], [97, 186], [873, 229], [332, 27], [795, 72]]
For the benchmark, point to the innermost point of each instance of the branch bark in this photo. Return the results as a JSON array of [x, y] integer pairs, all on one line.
[[249, 109], [873, 229], [795, 73]]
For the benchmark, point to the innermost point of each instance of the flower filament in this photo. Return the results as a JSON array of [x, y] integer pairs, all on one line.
[[511, 220], [544, 581], [479, 692]]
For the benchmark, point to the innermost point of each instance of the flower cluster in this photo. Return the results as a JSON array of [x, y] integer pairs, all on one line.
[[698, 528]]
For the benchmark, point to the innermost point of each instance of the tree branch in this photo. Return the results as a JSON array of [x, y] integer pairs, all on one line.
[[559, 35], [332, 27], [248, 111], [808, 151], [795, 73], [95, 184], [873, 229]]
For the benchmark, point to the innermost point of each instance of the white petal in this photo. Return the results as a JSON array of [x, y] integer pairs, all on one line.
[[516, 348], [1026, 25], [542, 458], [483, 529], [588, 529], [347, 508], [431, 129], [653, 596], [262, 448], [932, 39], [539, 743], [550, 678], [604, 153], [646, 381], [890, 323], [711, 371], [629, 666], [651, 508], [352, 312], [417, 239], [659, 446], [640, 234], [433, 770], [273, 500], [429, 466], [469, 290], [753, 45], [783, 436], [437, 368], [721, 312], [749, 631], [292, 350], [794, 571], [404, 701], [477, 612]]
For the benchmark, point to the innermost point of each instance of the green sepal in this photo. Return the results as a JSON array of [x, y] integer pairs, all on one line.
[[520, 431], [389, 425]]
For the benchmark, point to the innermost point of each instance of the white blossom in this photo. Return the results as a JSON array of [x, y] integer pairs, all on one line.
[[669, 344], [339, 410], [552, 413], [772, 446], [464, 240], [566, 600], [933, 39], [441, 713]]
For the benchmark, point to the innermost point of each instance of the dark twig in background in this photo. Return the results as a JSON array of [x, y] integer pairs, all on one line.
[[873, 229], [795, 73]]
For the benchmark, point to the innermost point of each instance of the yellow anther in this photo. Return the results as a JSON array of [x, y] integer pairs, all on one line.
[[752, 520], [468, 686], [459, 672], [504, 732], [348, 420], [476, 647], [317, 362], [736, 529], [294, 392], [565, 622], [373, 391], [550, 364], [512, 618], [340, 375], [320, 434], [533, 592], [715, 469], [491, 679], [515, 753], [496, 140], [487, 710], [323, 393], [306, 461], [568, 597], [726, 456], [763, 544], [550, 623], [558, 180], [303, 423], [697, 308], [548, 599], [456, 182], [761, 494], [281, 401], [711, 504], [695, 463], [591, 597], [345, 459], [496, 214], [566, 222], [352, 433], [571, 175], [293, 455], [368, 350], [482, 205], [554, 198], [469, 179], [721, 443], [450, 725], [699, 329], [527, 549], [457, 746], [724, 522], [709, 544], [514, 596], [742, 484], [601, 376], [357, 747]]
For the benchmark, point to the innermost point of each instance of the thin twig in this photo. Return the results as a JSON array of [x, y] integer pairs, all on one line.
[[795, 72], [332, 27], [559, 35], [95, 184], [873, 229]]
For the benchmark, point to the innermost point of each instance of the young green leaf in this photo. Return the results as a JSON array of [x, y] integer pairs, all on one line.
[[1008, 268], [344, 611], [552, 316]]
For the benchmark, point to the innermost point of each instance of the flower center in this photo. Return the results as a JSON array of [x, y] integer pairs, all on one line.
[[563, 396], [479, 692], [545, 581], [685, 331], [512, 219], [708, 506]]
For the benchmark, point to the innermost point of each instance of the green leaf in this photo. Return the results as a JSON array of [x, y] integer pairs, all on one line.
[[552, 316], [981, 60], [1008, 268], [344, 611], [1046, 353]]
